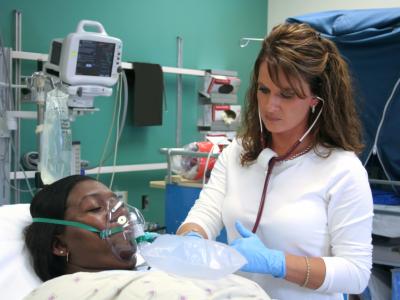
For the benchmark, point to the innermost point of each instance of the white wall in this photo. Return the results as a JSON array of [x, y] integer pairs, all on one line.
[[279, 10]]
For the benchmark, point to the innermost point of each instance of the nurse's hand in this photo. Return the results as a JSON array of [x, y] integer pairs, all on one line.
[[260, 259]]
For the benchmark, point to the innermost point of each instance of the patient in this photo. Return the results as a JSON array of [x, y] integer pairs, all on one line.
[[57, 250]]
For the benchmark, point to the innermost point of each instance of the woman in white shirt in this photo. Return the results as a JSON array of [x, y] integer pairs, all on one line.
[[290, 190]]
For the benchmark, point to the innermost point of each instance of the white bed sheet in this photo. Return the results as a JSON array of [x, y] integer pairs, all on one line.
[[17, 277]]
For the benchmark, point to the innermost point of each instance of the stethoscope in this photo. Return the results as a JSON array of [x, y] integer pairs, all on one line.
[[276, 159]]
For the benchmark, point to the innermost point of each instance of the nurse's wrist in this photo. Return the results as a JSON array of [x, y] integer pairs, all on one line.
[[187, 227], [193, 233], [277, 263], [190, 230]]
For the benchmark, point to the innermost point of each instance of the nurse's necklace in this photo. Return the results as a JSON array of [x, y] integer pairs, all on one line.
[[300, 153]]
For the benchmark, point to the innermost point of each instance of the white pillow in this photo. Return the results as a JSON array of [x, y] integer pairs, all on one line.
[[17, 277]]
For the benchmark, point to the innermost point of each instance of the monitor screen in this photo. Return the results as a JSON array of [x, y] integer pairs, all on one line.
[[55, 53], [95, 58]]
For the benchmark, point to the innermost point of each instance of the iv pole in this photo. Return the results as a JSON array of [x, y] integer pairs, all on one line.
[[243, 42]]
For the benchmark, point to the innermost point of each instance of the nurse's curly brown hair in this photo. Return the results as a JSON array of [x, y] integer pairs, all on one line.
[[300, 53]]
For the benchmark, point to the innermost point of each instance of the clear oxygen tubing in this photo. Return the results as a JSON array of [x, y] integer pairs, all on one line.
[[105, 156], [110, 130], [274, 160], [116, 138], [120, 126]]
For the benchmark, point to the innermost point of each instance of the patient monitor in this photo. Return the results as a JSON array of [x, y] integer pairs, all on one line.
[[86, 62]]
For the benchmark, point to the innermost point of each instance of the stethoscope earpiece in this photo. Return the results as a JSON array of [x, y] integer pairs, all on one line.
[[318, 98]]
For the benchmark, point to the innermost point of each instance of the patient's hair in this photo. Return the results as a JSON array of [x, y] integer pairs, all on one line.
[[50, 202]]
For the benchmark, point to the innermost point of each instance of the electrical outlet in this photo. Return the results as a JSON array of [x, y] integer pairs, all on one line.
[[145, 202], [122, 195]]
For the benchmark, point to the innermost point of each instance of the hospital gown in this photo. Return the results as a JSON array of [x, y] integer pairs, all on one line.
[[151, 285]]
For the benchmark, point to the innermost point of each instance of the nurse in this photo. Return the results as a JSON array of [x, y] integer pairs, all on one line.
[[290, 189]]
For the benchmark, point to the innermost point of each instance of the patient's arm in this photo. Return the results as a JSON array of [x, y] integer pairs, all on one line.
[[191, 227]]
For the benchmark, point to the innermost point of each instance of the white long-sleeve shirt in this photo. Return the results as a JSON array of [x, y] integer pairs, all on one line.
[[315, 206]]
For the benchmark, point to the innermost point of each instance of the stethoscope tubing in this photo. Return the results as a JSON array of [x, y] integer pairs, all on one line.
[[274, 160]]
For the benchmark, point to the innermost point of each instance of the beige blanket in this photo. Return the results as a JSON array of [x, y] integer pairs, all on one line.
[[150, 285]]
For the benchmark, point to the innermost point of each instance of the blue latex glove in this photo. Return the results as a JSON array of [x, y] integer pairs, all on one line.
[[193, 234], [260, 259]]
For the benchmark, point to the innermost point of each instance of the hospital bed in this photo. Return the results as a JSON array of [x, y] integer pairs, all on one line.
[[18, 279]]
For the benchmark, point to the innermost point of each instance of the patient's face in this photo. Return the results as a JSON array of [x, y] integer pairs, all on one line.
[[87, 203]]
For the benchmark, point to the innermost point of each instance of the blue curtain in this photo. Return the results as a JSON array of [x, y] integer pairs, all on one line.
[[369, 40]]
